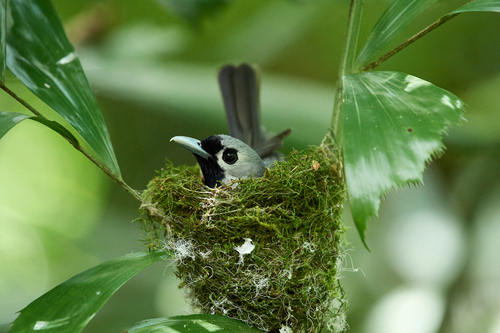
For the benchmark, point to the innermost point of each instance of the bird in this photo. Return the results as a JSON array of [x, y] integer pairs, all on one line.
[[223, 158], [247, 150]]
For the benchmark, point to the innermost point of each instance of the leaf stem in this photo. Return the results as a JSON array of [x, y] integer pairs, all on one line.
[[20, 100], [76, 145], [401, 46], [346, 63]]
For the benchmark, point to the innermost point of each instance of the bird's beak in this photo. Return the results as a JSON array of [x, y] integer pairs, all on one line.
[[191, 144]]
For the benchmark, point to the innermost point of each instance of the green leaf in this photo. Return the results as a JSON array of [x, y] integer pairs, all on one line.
[[11, 119], [393, 124], [479, 6], [200, 323], [72, 304], [3, 37], [40, 55], [194, 10], [400, 13], [397, 17]]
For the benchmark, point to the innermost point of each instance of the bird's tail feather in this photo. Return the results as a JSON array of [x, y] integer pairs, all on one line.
[[240, 88]]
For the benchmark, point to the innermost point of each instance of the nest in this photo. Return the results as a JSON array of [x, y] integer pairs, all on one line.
[[267, 251]]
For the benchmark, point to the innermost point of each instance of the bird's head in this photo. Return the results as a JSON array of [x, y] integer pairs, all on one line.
[[223, 158]]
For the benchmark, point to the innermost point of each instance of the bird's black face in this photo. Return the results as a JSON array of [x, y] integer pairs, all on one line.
[[212, 172]]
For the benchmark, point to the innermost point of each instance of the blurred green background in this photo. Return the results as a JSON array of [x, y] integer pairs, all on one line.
[[434, 264]]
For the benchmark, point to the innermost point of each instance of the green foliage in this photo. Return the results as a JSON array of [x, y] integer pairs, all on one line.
[[393, 123], [378, 155], [397, 17], [40, 55], [198, 323], [292, 215], [72, 304]]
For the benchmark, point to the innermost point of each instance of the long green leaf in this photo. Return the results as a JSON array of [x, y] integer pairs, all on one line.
[[392, 125], [200, 323], [40, 55], [397, 17], [3, 37], [11, 119], [72, 304], [479, 6]]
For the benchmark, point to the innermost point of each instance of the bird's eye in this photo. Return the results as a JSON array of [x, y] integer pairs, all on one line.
[[230, 156]]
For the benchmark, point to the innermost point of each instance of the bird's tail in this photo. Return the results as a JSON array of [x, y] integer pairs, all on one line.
[[240, 88]]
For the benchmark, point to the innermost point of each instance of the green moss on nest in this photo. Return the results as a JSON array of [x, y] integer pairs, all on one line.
[[293, 217]]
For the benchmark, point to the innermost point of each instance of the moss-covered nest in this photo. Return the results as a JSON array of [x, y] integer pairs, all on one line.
[[292, 216]]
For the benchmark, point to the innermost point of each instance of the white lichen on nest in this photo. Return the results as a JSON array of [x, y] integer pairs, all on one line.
[[288, 275]]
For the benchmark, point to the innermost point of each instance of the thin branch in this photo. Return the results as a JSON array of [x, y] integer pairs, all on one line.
[[20, 100], [77, 146], [401, 46]]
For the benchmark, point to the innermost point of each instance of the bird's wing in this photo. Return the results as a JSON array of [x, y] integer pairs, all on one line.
[[240, 92], [272, 144]]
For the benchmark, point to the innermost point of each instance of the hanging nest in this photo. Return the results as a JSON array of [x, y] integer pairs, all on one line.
[[267, 251]]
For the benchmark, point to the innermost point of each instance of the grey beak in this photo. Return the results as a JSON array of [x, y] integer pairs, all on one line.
[[192, 145]]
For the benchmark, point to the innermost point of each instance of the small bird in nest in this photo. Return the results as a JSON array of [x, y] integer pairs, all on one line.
[[248, 150]]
